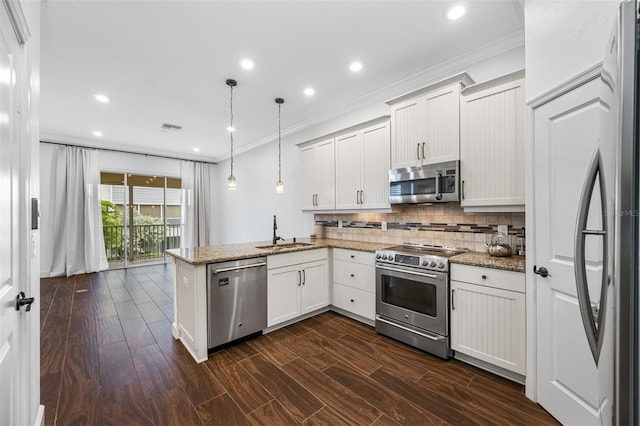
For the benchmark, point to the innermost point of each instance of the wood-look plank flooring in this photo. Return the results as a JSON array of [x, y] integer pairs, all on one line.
[[108, 358]]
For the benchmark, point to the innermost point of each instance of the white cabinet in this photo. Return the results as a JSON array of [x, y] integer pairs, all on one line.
[[190, 308], [425, 125], [317, 175], [297, 283], [492, 144], [488, 315], [362, 168], [354, 281]]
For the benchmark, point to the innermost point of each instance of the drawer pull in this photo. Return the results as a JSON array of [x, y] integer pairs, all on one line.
[[353, 256], [352, 275], [351, 300], [484, 277]]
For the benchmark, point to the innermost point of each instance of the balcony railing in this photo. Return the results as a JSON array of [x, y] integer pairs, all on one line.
[[146, 242]]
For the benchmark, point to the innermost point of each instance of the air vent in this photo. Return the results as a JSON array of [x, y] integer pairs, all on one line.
[[166, 127]]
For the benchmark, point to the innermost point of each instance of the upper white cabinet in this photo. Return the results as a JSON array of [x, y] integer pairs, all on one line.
[[425, 125], [492, 144], [362, 168], [317, 175]]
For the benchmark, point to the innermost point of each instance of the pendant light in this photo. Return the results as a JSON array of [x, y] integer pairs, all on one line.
[[279, 184], [231, 180]]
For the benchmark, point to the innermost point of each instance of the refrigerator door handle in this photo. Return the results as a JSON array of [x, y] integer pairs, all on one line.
[[592, 319]]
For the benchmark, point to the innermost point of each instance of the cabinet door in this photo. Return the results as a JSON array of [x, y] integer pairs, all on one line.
[[376, 152], [315, 286], [348, 170], [324, 174], [492, 146], [489, 324], [283, 294], [407, 133], [306, 171], [442, 120]]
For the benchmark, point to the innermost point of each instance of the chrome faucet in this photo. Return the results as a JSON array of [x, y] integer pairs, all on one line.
[[275, 237]]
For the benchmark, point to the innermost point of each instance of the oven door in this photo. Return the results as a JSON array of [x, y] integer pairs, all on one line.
[[417, 298]]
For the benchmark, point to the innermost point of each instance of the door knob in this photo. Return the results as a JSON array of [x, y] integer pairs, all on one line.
[[21, 301], [542, 271]]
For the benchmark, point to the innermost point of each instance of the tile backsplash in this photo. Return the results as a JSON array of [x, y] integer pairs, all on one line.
[[439, 225]]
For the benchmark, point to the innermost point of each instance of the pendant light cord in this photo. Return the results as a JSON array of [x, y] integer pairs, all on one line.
[[279, 148], [231, 125]]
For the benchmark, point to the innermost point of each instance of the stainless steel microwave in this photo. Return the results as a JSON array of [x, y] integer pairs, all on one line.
[[431, 183]]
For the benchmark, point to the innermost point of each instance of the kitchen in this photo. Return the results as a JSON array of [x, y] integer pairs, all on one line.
[[548, 65]]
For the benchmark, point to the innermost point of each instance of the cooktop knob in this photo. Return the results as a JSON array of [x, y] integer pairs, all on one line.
[[425, 262], [441, 265], [433, 264], [378, 255]]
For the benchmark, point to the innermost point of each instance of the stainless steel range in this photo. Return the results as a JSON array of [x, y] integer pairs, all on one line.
[[412, 296]]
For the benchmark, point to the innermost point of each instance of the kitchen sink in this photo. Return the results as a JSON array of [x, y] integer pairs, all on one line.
[[283, 246]]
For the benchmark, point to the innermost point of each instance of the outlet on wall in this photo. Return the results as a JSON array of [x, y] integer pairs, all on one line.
[[503, 231], [384, 226]]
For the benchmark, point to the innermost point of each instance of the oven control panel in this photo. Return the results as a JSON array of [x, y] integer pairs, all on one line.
[[428, 262]]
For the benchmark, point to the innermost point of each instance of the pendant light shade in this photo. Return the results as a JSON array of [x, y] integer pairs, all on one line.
[[279, 184], [231, 180]]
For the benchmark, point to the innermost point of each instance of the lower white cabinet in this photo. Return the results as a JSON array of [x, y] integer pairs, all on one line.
[[354, 280], [190, 307], [488, 315], [297, 283]]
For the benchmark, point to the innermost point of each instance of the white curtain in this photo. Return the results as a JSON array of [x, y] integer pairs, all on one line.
[[78, 242], [196, 204]]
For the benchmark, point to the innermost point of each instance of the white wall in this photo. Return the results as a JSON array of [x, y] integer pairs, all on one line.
[[246, 214], [562, 39]]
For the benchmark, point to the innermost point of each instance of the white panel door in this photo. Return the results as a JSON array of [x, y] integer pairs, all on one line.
[[15, 377], [442, 132], [407, 133], [283, 294], [314, 293], [376, 161], [306, 171], [348, 170], [324, 173], [566, 135]]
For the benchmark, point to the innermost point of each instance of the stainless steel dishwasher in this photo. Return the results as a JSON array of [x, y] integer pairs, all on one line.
[[237, 299]]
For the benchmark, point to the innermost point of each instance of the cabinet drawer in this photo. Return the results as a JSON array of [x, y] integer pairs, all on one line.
[[354, 300], [357, 256], [355, 275], [496, 278], [296, 258]]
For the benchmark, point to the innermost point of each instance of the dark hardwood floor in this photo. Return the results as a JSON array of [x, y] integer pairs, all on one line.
[[108, 358]]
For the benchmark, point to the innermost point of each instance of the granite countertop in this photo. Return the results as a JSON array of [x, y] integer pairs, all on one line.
[[513, 263], [226, 252]]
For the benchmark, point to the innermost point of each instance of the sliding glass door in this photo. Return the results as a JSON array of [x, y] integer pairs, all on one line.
[[141, 217]]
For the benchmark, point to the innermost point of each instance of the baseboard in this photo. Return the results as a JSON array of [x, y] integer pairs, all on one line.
[[498, 371], [39, 417], [353, 316]]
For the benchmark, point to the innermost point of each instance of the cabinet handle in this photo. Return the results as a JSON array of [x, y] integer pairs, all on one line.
[[352, 275], [463, 190], [453, 299], [418, 151], [299, 278], [353, 256], [351, 300], [304, 277], [362, 196], [484, 277], [423, 144]]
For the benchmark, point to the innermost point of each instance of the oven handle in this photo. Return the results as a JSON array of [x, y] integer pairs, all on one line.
[[386, 268], [428, 336]]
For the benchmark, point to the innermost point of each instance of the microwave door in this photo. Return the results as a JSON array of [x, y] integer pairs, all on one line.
[[413, 191]]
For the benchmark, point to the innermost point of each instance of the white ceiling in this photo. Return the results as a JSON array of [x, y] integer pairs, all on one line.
[[167, 62]]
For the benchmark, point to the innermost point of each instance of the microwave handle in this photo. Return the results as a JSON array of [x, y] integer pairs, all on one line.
[[438, 193]]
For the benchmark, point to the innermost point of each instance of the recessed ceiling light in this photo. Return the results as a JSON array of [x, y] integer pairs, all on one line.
[[231, 129], [355, 66], [456, 11], [309, 91], [97, 133], [196, 149], [102, 98], [247, 64]]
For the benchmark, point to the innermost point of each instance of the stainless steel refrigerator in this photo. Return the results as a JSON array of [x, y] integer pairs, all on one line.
[[611, 325]]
